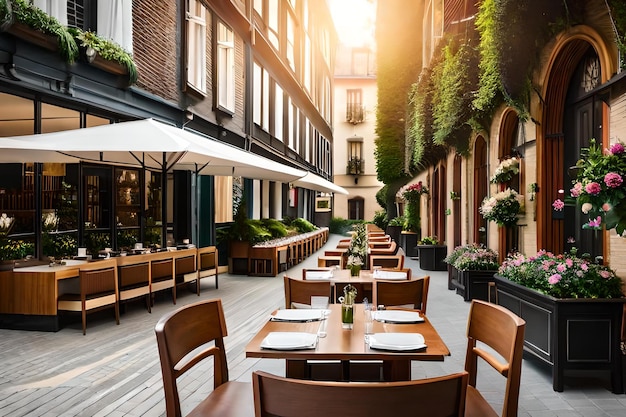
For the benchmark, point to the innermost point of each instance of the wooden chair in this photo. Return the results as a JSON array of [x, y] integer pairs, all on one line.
[[133, 274], [298, 292], [162, 273], [208, 264], [180, 333], [392, 249], [186, 268], [503, 332], [343, 244], [407, 294], [378, 273], [387, 261], [98, 289], [326, 261], [432, 397]]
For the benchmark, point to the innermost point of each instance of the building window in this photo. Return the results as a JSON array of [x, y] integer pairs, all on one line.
[[225, 64], [278, 112], [115, 22], [273, 17], [355, 156], [354, 106], [196, 46], [356, 208]]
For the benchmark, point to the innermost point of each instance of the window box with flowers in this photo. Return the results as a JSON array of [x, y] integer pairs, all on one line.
[[356, 166], [502, 207], [470, 271], [573, 311]]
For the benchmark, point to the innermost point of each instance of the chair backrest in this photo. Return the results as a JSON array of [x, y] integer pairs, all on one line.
[[162, 268], [387, 261], [502, 331], [182, 331], [207, 259], [185, 264], [391, 250], [299, 292], [432, 397], [133, 274], [98, 278], [411, 293]]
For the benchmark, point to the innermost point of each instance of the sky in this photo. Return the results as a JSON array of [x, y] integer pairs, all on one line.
[[354, 20]]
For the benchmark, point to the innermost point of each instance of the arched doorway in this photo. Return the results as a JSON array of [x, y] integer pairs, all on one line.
[[356, 208], [438, 218], [572, 114], [481, 185], [509, 237]]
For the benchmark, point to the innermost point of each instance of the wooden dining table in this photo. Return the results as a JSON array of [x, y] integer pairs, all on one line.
[[349, 345]]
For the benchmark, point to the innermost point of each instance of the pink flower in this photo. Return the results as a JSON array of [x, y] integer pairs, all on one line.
[[605, 274], [569, 262], [606, 207], [571, 240], [616, 149], [558, 204], [613, 180], [584, 267], [561, 268], [595, 223], [593, 188], [576, 190], [554, 279]]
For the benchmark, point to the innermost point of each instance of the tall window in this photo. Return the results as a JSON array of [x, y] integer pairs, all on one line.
[[273, 19], [115, 22], [355, 156], [291, 41], [196, 45], [354, 106], [225, 68], [278, 112]]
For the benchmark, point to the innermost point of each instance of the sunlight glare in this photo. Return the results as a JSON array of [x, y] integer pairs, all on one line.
[[354, 20]]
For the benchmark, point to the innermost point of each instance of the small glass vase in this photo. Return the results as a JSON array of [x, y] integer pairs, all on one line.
[[354, 270], [347, 316]]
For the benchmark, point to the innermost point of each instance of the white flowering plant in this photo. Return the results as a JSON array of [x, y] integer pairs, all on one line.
[[502, 207], [6, 223], [50, 221], [354, 260], [506, 170]]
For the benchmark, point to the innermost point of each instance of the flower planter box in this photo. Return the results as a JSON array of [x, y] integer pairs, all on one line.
[[431, 257], [568, 334], [31, 35], [470, 284], [408, 242]]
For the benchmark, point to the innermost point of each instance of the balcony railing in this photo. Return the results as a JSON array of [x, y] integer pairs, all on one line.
[[355, 166], [355, 113]]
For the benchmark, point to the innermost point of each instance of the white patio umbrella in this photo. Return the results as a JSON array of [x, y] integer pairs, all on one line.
[[315, 182], [144, 143]]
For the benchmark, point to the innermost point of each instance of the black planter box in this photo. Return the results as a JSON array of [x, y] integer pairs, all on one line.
[[431, 257], [470, 284], [394, 232], [570, 333], [408, 242]]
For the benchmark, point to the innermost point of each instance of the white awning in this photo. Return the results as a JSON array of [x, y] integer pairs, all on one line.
[[315, 182]]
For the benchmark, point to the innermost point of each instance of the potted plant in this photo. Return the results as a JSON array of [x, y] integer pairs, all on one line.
[[411, 195], [431, 254], [394, 228], [470, 271], [358, 248], [599, 187], [505, 171], [573, 310], [24, 20], [502, 207]]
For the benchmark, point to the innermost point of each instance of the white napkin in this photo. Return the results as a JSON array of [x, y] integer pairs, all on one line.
[[390, 275], [289, 341], [298, 315], [398, 316], [319, 275]]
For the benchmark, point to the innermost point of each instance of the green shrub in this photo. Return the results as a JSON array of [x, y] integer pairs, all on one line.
[[380, 219], [303, 225], [275, 227], [341, 226]]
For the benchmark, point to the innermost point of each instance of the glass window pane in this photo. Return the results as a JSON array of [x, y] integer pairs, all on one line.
[[56, 119], [17, 115]]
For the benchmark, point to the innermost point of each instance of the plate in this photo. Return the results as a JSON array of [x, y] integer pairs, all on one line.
[[289, 341], [397, 341], [398, 316], [298, 315], [389, 275]]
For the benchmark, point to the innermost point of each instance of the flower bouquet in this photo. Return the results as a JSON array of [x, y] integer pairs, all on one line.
[[599, 187], [506, 170], [502, 207], [562, 276], [357, 251], [347, 306]]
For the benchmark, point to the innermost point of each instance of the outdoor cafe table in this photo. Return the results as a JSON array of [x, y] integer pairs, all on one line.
[[346, 345]]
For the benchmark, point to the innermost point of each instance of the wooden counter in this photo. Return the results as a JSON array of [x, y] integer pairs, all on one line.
[[28, 296]]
